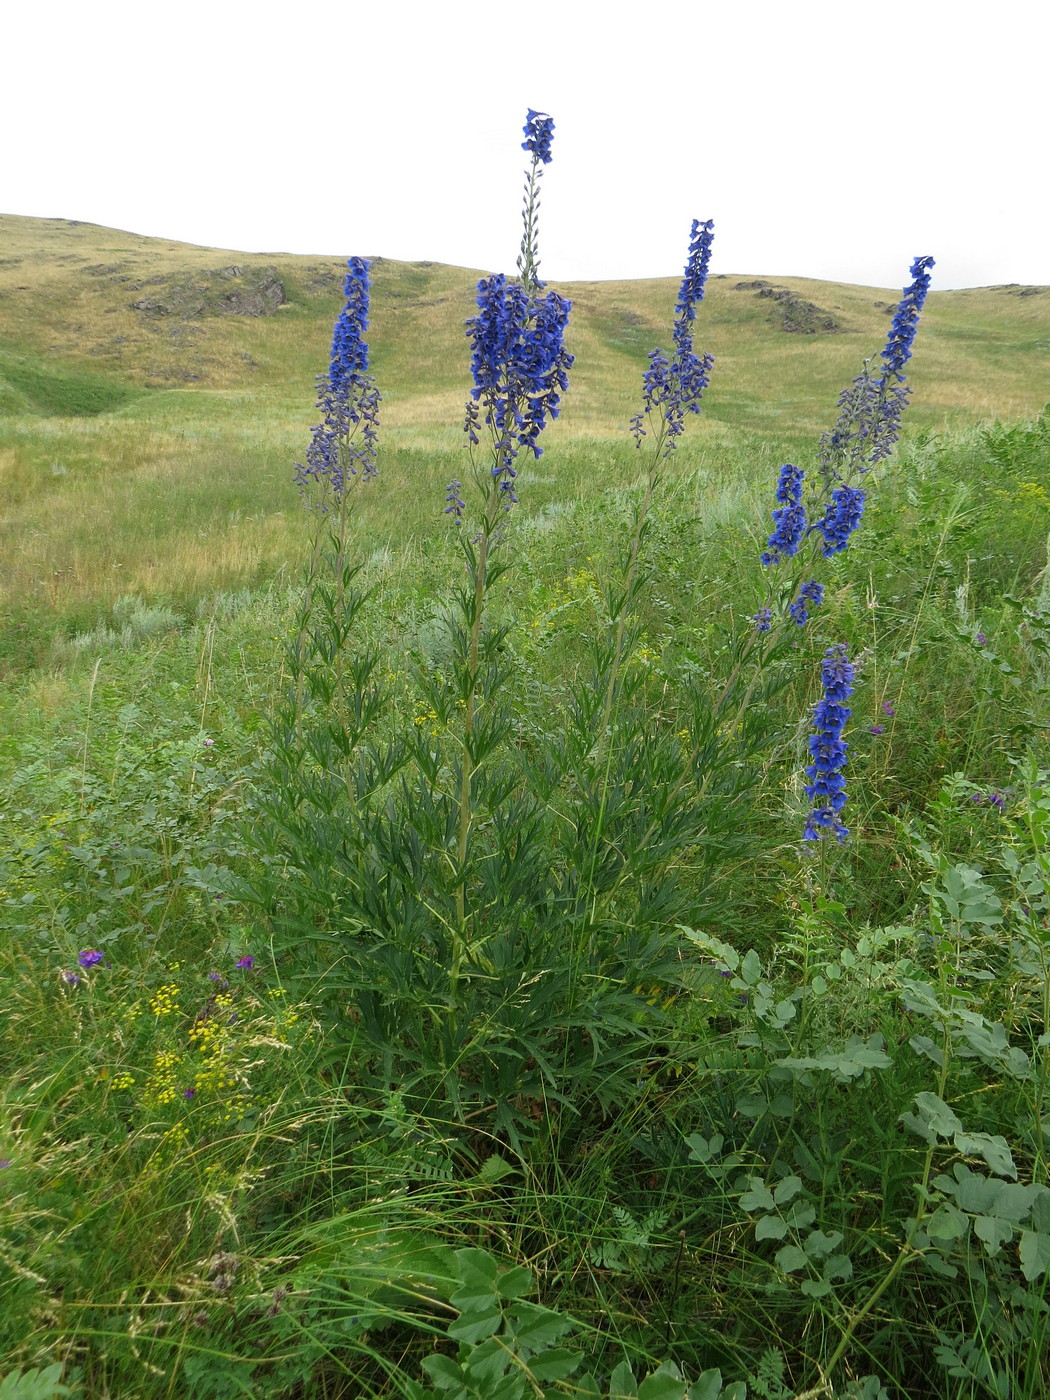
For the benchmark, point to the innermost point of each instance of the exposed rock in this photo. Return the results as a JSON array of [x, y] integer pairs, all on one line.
[[260, 294], [752, 286], [798, 316]]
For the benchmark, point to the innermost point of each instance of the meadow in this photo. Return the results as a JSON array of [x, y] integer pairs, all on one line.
[[417, 981]]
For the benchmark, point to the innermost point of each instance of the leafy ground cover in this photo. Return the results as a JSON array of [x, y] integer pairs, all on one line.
[[314, 1086]]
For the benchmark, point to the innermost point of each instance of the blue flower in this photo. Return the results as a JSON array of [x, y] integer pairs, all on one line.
[[763, 619], [347, 398], [826, 788], [520, 368], [790, 520], [841, 518], [671, 388], [810, 594], [89, 957], [455, 505], [539, 133], [906, 318]]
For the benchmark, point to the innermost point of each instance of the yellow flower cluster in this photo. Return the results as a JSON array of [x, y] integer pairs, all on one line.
[[165, 999], [162, 1085]]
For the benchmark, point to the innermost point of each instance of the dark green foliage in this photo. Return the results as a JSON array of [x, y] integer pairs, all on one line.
[[28, 384]]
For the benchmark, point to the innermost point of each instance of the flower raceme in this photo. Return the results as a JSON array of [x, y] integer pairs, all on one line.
[[520, 368], [826, 788], [347, 397], [539, 133], [868, 426], [673, 387]]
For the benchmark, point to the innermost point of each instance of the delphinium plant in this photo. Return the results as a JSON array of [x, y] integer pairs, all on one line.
[[818, 514]]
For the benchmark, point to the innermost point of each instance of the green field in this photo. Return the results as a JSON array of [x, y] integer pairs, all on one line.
[[482, 1028]]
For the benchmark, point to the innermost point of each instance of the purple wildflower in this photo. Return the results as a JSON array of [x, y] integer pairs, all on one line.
[[906, 320], [763, 619], [876, 729], [671, 388], [208, 743], [347, 398], [248, 961], [71, 979], [454, 502], [887, 709], [5, 1162], [980, 640], [827, 786], [790, 520], [997, 800], [539, 133], [520, 368], [89, 957], [189, 1092], [841, 518], [810, 594]]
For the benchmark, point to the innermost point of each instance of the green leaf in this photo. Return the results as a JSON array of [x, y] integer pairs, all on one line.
[[708, 1387], [475, 1325], [622, 1384], [536, 1327], [994, 1150], [444, 1372], [838, 1266], [494, 1169], [515, 1282], [34, 1384], [790, 1258], [813, 1288], [819, 1245], [759, 1197], [937, 1115], [665, 1383], [947, 1223], [787, 1189], [992, 1232], [1035, 1254], [751, 967], [555, 1364], [771, 1227]]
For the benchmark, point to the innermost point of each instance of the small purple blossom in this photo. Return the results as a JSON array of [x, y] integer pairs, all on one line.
[[980, 640], [906, 320], [790, 520], [841, 518], [347, 398], [71, 979], [189, 1092], [887, 709], [827, 786], [811, 594], [539, 133], [763, 619], [208, 743], [876, 729], [455, 505], [89, 957], [5, 1162], [248, 961], [673, 387], [520, 368], [218, 977], [997, 800]]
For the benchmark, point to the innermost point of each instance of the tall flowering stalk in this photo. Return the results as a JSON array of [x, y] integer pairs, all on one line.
[[826, 788], [868, 426], [672, 387], [344, 445], [343, 449], [520, 368]]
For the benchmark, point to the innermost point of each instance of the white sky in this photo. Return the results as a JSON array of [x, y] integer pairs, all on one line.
[[826, 138]]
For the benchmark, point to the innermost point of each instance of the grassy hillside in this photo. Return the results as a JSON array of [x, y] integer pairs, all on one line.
[[153, 396]]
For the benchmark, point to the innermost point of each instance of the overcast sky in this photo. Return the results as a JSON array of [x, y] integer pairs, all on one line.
[[826, 139]]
